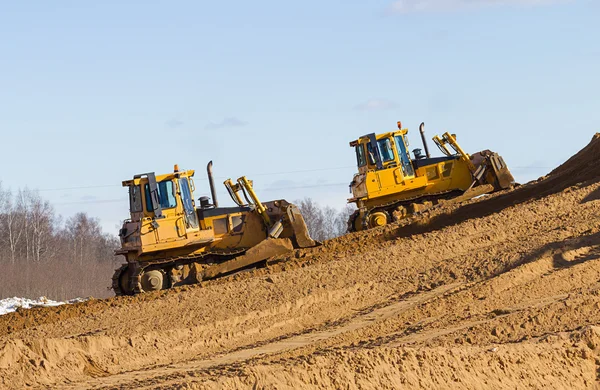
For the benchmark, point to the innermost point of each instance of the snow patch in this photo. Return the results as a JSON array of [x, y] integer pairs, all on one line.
[[8, 305]]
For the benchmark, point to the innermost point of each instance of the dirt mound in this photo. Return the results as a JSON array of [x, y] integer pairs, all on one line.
[[502, 292], [584, 163], [582, 168]]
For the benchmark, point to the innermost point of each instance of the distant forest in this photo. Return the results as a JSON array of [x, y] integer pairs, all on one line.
[[43, 255]]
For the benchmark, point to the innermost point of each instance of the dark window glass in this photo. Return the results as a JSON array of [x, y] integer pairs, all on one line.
[[385, 148], [407, 167], [188, 206], [360, 155], [135, 199], [166, 195], [371, 154]]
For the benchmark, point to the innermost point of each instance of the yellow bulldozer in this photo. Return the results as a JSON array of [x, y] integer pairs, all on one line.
[[390, 185], [170, 241]]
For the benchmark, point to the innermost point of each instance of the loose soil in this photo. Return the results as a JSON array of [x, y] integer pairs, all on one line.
[[501, 292]]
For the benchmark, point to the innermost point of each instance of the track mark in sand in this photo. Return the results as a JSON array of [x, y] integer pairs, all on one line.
[[544, 266], [401, 339], [568, 258], [136, 378]]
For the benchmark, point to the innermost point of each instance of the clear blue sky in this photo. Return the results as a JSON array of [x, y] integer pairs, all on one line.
[[94, 92]]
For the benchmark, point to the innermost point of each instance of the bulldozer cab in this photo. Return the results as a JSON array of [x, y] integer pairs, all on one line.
[[164, 204], [383, 151]]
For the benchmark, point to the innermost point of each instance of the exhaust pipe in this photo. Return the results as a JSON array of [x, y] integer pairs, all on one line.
[[211, 182], [422, 130]]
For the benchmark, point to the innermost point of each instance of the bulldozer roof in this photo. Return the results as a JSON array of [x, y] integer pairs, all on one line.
[[365, 138], [142, 178]]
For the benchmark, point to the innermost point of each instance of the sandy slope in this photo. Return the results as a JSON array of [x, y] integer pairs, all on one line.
[[503, 292]]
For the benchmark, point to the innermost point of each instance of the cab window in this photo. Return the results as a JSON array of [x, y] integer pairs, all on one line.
[[407, 167], [186, 195], [166, 195], [360, 155], [371, 154], [135, 199], [385, 148], [191, 218]]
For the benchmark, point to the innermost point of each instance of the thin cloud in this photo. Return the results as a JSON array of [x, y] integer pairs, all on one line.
[[415, 6], [375, 105], [174, 123], [227, 122]]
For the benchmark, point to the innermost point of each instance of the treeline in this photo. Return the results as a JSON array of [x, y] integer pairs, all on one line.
[[324, 222], [42, 255]]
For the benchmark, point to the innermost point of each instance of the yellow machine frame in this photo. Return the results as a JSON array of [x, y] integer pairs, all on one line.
[[390, 184], [169, 241]]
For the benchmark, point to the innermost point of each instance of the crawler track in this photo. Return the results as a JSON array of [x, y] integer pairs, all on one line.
[[391, 207], [136, 270]]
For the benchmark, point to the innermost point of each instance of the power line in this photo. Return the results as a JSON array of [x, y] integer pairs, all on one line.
[[301, 171], [310, 186], [513, 168], [261, 190], [78, 188], [91, 202], [254, 175], [203, 178]]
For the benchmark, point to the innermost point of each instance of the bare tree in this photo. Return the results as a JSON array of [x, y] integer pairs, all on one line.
[[44, 258], [12, 225], [41, 224], [83, 230], [329, 217], [313, 216], [4, 196], [324, 223], [23, 210], [341, 221]]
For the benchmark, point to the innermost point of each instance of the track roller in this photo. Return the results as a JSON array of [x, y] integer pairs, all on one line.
[[153, 280], [378, 218]]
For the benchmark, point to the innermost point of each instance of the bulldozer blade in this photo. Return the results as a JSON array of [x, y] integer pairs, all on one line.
[[300, 229], [262, 251], [472, 193], [504, 177]]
